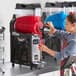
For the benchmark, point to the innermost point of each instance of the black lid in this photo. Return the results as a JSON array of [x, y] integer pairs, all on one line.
[[59, 4], [56, 4], [27, 6], [67, 4], [73, 4], [50, 4]]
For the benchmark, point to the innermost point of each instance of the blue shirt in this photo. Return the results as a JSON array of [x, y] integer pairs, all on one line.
[[70, 50]]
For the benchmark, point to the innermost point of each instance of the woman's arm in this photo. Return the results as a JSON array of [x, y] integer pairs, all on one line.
[[61, 34], [45, 49], [67, 51], [58, 33]]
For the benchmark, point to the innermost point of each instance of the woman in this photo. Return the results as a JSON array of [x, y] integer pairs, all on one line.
[[69, 35]]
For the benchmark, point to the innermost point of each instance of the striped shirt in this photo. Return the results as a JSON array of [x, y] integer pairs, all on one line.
[[70, 49]]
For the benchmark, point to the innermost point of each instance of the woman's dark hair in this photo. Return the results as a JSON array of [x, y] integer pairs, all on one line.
[[72, 17]]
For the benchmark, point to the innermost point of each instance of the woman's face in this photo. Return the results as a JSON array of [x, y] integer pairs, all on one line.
[[69, 26]]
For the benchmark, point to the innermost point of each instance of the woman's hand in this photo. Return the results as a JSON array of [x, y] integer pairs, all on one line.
[[43, 48], [52, 29]]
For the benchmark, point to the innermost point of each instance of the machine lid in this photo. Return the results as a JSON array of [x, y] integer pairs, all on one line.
[[67, 4], [56, 4], [61, 4], [27, 6], [74, 3], [50, 4]]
